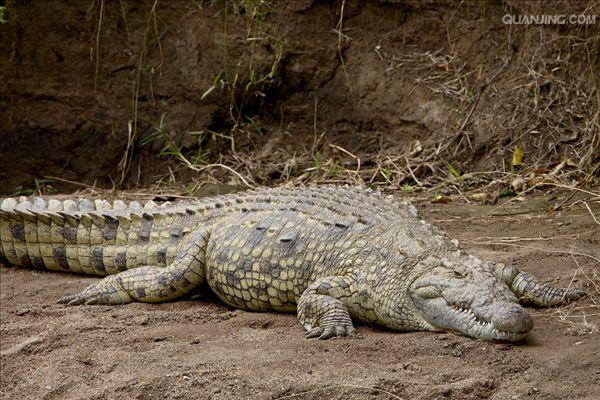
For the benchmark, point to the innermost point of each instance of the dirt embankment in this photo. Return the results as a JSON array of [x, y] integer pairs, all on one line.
[[268, 87]]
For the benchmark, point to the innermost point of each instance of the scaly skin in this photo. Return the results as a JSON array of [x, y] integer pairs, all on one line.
[[332, 254]]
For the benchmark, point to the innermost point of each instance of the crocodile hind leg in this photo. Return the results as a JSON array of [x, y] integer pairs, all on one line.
[[531, 291], [150, 284], [323, 308]]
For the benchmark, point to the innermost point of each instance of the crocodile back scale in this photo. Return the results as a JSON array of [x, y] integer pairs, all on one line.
[[332, 254]]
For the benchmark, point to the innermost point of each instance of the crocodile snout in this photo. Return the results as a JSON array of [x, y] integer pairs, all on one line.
[[512, 318]]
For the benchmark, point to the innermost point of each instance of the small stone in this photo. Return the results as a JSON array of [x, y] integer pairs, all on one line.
[[532, 391], [518, 184]]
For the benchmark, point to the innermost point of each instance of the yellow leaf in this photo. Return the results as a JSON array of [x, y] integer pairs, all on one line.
[[440, 199], [478, 196], [517, 156]]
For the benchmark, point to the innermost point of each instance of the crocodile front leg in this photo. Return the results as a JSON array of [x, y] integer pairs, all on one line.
[[150, 284], [323, 308], [531, 291]]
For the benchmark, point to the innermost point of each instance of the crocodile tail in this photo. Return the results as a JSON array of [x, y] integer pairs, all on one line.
[[92, 237], [531, 291]]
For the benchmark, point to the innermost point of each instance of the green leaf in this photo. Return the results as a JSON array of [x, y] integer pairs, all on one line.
[[455, 172], [3, 20], [507, 192], [212, 87]]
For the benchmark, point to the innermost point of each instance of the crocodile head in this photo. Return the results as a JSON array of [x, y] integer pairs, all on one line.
[[468, 298]]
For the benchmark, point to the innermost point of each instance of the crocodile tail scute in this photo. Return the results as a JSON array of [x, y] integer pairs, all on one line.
[[76, 235]]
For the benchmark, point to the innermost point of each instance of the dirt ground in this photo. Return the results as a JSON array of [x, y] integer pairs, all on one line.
[[199, 348]]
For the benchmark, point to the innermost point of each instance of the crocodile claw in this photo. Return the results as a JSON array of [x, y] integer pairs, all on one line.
[[329, 331], [67, 299], [106, 291]]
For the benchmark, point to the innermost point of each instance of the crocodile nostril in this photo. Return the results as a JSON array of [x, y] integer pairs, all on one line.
[[512, 318]]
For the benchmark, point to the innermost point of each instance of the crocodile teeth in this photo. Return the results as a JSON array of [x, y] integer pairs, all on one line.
[[471, 314]]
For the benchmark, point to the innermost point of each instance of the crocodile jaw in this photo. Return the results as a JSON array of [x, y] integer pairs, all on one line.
[[488, 330], [500, 320]]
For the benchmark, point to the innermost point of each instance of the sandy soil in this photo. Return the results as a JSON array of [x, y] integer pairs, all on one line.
[[201, 349]]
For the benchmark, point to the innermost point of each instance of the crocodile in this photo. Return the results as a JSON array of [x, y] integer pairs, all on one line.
[[332, 254]]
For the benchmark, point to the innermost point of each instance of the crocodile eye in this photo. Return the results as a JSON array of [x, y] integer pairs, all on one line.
[[458, 274]]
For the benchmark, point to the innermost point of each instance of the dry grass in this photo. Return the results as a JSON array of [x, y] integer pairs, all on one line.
[[423, 167], [576, 316]]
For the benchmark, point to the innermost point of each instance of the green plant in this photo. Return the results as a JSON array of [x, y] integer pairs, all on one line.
[[455, 172], [201, 157], [40, 187], [217, 81], [386, 173], [3, 19], [159, 132], [252, 124], [170, 149], [317, 159], [335, 169], [407, 188], [507, 192]]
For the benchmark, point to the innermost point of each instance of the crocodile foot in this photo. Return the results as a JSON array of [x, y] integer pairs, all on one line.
[[322, 313]]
